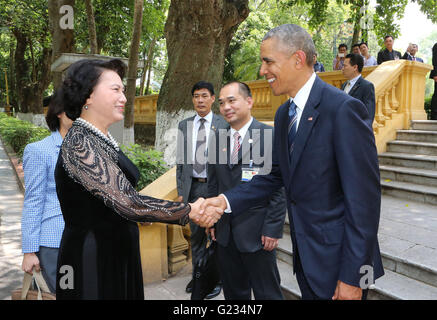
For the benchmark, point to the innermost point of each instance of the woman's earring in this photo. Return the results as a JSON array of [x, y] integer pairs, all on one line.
[[85, 107]]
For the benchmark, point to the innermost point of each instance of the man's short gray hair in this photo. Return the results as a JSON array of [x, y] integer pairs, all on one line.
[[293, 38]]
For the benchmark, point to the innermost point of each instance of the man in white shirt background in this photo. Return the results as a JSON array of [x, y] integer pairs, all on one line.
[[194, 134]]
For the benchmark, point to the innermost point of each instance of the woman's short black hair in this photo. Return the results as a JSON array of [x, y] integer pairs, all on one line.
[[56, 107], [80, 80]]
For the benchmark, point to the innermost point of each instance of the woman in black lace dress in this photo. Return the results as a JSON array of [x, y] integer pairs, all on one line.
[[99, 255]]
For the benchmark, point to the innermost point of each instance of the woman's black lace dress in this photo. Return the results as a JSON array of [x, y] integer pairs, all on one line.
[[100, 244]]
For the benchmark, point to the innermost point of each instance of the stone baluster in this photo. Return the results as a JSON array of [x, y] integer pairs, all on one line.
[[379, 116], [394, 100], [386, 110]]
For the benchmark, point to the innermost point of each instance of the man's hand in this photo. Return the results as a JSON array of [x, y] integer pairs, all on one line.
[[218, 202], [30, 260], [269, 243], [345, 291], [195, 210], [435, 78], [211, 211], [212, 232], [204, 216]]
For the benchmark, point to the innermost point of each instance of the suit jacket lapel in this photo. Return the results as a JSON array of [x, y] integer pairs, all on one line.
[[281, 129], [188, 140], [356, 86], [306, 123]]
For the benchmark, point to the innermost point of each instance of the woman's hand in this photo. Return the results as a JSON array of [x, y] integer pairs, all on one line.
[[30, 260]]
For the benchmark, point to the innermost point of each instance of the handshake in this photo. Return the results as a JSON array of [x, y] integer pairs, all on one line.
[[206, 212]]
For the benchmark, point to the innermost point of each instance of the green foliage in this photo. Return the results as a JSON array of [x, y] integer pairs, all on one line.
[[386, 15], [17, 133], [149, 163], [242, 61], [428, 7]]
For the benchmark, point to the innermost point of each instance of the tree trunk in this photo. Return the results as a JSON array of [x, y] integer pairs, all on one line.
[[197, 42], [149, 74], [20, 68], [35, 90], [356, 20], [147, 65], [143, 74], [12, 87], [62, 39], [128, 134], [91, 27]]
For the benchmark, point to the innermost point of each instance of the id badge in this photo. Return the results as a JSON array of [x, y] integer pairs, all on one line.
[[248, 173]]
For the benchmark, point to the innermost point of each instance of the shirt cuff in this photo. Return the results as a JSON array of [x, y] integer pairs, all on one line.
[[228, 207]]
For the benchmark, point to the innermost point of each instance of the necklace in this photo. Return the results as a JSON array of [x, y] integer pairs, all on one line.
[[107, 138]]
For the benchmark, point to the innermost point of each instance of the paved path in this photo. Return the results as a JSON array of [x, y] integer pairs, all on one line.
[[408, 230], [11, 202]]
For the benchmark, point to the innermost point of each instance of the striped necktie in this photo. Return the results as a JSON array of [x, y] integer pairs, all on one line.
[[292, 126], [234, 155]]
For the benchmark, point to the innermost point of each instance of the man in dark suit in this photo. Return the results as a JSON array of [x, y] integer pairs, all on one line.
[[191, 169], [410, 54], [358, 87], [433, 75], [388, 53], [246, 243], [324, 154]]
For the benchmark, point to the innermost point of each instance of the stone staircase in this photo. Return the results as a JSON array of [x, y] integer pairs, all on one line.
[[408, 225], [409, 167]]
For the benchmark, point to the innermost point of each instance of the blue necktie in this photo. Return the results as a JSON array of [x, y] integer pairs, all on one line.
[[292, 126]]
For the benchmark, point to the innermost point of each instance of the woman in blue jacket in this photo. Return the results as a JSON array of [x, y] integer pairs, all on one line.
[[42, 223]]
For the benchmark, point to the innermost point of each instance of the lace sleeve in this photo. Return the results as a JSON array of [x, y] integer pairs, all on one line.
[[89, 161]]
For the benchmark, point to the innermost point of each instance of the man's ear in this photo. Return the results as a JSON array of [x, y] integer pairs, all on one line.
[[250, 102], [301, 58]]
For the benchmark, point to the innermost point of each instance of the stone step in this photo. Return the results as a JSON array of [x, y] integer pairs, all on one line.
[[412, 147], [392, 285], [411, 175], [417, 135], [411, 191], [395, 253], [424, 125], [399, 287], [419, 161]]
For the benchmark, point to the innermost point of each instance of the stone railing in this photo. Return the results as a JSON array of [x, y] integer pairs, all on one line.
[[264, 106], [399, 92]]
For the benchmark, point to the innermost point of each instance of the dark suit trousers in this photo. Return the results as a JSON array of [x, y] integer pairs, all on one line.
[[434, 103], [198, 236], [305, 289], [48, 259], [241, 272]]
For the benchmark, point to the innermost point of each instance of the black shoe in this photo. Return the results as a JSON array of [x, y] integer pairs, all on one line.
[[189, 287], [214, 293]]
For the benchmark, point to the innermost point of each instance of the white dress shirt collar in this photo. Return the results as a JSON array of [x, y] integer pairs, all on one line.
[[302, 96], [242, 131], [208, 117], [354, 80]]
